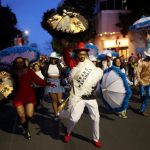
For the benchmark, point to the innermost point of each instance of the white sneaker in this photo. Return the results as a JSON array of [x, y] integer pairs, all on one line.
[[58, 114], [122, 114], [56, 118], [61, 101]]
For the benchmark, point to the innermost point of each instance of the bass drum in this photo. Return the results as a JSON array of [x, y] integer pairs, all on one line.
[[6, 84]]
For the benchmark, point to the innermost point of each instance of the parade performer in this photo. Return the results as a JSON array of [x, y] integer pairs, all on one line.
[[68, 57], [54, 71], [24, 97], [143, 77], [117, 63], [85, 77]]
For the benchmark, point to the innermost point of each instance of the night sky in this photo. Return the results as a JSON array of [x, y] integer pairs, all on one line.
[[29, 15]]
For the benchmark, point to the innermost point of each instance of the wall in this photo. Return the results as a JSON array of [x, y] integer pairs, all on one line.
[[106, 23]]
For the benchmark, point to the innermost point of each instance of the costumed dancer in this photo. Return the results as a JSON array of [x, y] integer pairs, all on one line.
[[68, 57], [143, 78], [117, 63], [24, 97], [53, 72], [85, 77]]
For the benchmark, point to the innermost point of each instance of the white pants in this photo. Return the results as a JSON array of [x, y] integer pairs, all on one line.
[[94, 114]]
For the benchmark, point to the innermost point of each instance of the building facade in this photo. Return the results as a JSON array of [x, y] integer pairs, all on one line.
[[108, 34]]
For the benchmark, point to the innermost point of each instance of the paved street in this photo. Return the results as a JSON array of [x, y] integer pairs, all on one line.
[[116, 133]]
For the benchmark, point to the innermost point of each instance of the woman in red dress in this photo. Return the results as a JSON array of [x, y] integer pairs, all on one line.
[[24, 97]]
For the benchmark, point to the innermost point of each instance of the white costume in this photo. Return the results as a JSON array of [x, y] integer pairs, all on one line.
[[85, 76]]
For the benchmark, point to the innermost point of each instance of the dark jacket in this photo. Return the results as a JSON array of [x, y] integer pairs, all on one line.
[[61, 69]]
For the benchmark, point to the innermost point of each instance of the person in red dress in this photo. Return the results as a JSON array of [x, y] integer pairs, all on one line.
[[24, 97]]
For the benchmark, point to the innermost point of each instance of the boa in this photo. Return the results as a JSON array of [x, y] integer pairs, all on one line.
[[84, 76], [9, 54]]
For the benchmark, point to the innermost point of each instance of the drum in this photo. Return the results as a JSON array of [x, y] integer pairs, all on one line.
[[6, 84]]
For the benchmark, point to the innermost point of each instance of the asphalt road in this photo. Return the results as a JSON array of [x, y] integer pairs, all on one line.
[[117, 133]]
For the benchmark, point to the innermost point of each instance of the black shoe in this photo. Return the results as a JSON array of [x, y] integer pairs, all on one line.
[[27, 135]]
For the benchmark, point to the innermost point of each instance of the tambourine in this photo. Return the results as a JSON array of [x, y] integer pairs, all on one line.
[[6, 84]]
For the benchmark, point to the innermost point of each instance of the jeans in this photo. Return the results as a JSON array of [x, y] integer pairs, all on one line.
[[145, 95]]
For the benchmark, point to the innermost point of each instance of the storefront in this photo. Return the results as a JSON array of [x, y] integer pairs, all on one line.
[[114, 41]]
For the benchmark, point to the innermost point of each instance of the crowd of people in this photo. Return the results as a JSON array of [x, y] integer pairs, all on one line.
[[81, 73]]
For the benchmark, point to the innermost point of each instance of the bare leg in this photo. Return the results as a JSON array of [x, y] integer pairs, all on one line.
[[23, 120], [59, 97], [21, 113], [29, 110], [54, 102]]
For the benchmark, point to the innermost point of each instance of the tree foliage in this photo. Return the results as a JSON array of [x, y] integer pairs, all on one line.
[[8, 31], [138, 8]]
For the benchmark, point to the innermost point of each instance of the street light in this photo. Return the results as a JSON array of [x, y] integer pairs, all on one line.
[[26, 37], [26, 32]]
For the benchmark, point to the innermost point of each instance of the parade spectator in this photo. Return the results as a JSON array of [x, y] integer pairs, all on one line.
[[143, 77], [107, 62], [139, 58], [123, 62], [24, 97], [148, 41], [93, 59], [27, 62], [53, 72], [85, 77], [131, 67], [39, 90]]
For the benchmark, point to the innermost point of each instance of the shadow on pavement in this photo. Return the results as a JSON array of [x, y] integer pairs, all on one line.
[[83, 138], [105, 113], [47, 124], [8, 120]]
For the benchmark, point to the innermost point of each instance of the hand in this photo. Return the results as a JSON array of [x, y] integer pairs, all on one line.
[[140, 82], [51, 84]]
